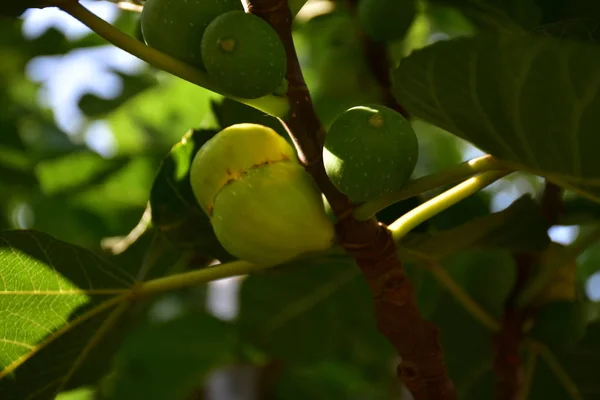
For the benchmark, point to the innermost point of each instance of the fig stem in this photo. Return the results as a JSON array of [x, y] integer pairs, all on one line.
[[196, 277], [546, 274], [420, 214], [272, 105], [456, 173]]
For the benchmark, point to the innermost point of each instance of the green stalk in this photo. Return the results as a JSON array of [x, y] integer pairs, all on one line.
[[197, 277], [448, 176], [273, 105], [427, 210]]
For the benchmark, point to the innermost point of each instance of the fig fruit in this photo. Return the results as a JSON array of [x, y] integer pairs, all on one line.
[[263, 205], [244, 55], [176, 27], [370, 151], [560, 324], [386, 20]]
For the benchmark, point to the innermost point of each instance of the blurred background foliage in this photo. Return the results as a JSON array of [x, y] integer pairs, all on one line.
[[84, 129]]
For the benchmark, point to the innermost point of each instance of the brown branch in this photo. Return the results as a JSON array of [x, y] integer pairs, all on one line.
[[422, 368], [508, 363], [378, 59]]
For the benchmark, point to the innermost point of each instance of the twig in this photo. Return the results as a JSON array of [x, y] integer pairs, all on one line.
[[273, 105], [417, 341], [378, 59], [507, 363], [450, 175], [429, 209]]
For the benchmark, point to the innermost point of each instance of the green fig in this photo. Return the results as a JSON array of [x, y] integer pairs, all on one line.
[[176, 27], [560, 324], [386, 20], [244, 55], [370, 151], [263, 205]]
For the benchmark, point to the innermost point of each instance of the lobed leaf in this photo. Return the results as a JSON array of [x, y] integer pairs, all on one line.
[[530, 100]]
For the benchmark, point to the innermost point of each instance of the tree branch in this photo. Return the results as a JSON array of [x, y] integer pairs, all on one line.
[[422, 368], [510, 382], [378, 59]]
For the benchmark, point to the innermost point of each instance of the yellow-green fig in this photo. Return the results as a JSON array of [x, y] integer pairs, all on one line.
[[264, 207]]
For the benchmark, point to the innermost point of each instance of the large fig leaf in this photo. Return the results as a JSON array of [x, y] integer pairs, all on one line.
[[530, 100], [58, 304]]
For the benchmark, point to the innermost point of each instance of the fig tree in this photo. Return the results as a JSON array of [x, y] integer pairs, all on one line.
[[370, 151], [560, 324], [244, 55], [386, 20], [563, 283], [176, 27], [263, 205]]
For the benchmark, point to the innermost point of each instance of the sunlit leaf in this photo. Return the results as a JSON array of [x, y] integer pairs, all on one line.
[[57, 303], [95, 107]]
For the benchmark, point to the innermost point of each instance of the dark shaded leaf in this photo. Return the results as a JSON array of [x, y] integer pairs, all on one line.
[[581, 364], [520, 227], [313, 311], [169, 360], [175, 210], [529, 100]]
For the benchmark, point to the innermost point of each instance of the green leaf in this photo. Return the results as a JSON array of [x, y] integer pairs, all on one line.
[[169, 360], [328, 380], [520, 227], [77, 171], [580, 364], [156, 118], [312, 311], [58, 303], [230, 112], [14, 9], [467, 345], [175, 210], [96, 107], [511, 15], [529, 100], [585, 30]]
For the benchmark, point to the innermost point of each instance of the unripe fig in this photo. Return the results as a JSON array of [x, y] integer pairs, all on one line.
[[370, 151], [244, 55], [263, 205], [176, 27], [386, 20], [560, 324]]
